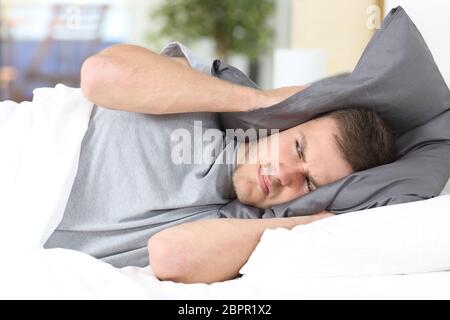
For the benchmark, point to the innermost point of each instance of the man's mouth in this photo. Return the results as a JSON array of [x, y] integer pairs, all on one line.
[[263, 183]]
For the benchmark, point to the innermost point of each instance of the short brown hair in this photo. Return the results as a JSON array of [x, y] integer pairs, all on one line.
[[365, 140]]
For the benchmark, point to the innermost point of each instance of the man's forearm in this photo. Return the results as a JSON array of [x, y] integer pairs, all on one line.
[[211, 250], [136, 79]]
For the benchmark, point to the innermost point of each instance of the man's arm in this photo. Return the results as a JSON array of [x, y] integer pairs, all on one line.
[[211, 250], [136, 79]]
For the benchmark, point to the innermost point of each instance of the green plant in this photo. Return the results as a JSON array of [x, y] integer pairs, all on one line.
[[236, 26]]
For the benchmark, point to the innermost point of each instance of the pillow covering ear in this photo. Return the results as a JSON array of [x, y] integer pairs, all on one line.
[[396, 77]]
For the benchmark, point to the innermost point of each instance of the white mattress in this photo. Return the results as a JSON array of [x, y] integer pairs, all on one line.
[[64, 274], [33, 194], [435, 285]]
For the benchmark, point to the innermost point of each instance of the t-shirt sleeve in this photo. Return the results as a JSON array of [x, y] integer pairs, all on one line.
[[177, 49]]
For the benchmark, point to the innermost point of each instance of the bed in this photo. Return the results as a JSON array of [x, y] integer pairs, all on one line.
[[40, 143]]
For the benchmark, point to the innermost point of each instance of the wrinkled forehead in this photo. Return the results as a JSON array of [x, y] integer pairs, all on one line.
[[322, 152], [325, 122], [325, 126]]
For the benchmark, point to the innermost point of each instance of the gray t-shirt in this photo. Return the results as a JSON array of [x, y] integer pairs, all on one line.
[[128, 187]]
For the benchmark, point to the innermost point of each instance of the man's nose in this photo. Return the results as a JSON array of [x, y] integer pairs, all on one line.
[[288, 174]]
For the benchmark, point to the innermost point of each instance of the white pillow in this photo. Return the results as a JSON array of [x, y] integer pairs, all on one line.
[[40, 144], [446, 188], [398, 239]]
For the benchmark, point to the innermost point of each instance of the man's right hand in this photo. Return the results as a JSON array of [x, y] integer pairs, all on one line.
[[274, 96], [310, 218]]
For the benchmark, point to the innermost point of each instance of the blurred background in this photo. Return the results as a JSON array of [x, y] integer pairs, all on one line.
[[276, 42]]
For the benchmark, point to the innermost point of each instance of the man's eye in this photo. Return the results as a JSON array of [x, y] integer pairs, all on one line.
[[310, 185], [299, 148]]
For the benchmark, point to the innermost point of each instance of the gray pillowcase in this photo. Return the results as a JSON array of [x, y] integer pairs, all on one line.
[[396, 77]]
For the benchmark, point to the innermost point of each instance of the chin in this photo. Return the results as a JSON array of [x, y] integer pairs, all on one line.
[[246, 196], [243, 194], [246, 189]]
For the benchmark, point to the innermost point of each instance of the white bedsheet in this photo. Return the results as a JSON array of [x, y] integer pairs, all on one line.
[[39, 144], [64, 274], [433, 285]]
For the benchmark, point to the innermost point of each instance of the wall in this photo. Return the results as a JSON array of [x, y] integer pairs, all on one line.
[[432, 19], [339, 28]]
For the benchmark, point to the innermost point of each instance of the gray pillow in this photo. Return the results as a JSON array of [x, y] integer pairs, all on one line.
[[396, 77]]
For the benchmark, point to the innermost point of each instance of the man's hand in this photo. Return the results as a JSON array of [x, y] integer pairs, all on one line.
[[312, 218], [212, 250], [275, 96]]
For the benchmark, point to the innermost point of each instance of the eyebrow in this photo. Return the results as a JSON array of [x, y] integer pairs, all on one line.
[[308, 174]]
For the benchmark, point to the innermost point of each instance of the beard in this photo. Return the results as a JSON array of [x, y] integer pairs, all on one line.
[[246, 185]]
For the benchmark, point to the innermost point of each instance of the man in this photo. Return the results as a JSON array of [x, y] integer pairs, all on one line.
[[129, 190]]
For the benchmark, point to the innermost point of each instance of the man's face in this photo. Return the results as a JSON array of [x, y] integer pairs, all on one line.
[[306, 158]]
